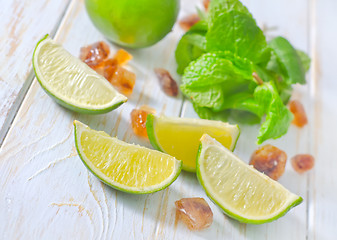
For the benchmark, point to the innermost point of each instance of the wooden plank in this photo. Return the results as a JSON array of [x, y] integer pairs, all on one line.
[[41, 170], [292, 23], [23, 24], [323, 180]]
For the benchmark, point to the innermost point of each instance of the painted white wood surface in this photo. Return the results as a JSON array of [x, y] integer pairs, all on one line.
[[47, 193], [323, 181], [23, 23]]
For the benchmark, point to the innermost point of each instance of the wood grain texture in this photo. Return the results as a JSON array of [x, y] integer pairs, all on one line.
[[323, 181], [47, 193], [23, 24]]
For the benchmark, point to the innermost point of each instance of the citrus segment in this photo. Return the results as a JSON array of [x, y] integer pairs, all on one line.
[[127, 167], [180, 137], [71, 82], [242, 192]]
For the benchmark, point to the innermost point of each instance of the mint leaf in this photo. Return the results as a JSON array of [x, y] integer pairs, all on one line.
[[238, 33], [207, 113], [187, 50], [288, 60], [244, 101], [218, 7], [284, 89], [273, 64], [213, 77], [286, 68], [278, 116], [273, 74], [191, 46], [200, 27], [238, 116], [305, 59], [230, 115]]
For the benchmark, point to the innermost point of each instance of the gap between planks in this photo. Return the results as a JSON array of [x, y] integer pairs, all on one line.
[[313, 84], [28, 82]]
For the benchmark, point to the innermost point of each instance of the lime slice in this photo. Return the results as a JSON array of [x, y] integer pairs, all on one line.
[[70, 82], [241, 191], [180, 137], [126, 167]]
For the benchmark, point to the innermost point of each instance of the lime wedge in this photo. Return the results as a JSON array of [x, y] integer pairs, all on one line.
[[70, 82], [126, 167], [180, 137], [241, 191]]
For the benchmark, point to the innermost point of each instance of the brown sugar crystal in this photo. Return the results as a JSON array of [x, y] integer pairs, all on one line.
[[138, 120], [187, 22], [302, 162], [194, 212], [96, 57], [300, 117], [109, 68], [122, 57], [94, 54], [269, 160], [167, 83], [206, 4], [121, 78]]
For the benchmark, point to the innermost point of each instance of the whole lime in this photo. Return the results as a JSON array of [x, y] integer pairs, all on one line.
[[133, 23]]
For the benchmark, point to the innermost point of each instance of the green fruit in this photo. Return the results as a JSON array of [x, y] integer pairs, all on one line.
[[242, 192], [70, 82], [133, 23]]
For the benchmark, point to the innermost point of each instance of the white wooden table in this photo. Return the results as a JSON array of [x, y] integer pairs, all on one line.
[[46, 191]]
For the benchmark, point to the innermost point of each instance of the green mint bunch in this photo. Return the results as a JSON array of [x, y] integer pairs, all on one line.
[[230, 71]]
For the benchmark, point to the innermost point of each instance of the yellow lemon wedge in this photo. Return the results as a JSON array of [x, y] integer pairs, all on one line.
[[180, 137]]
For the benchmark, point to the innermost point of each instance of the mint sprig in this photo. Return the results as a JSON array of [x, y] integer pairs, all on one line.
[[217, 59]]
